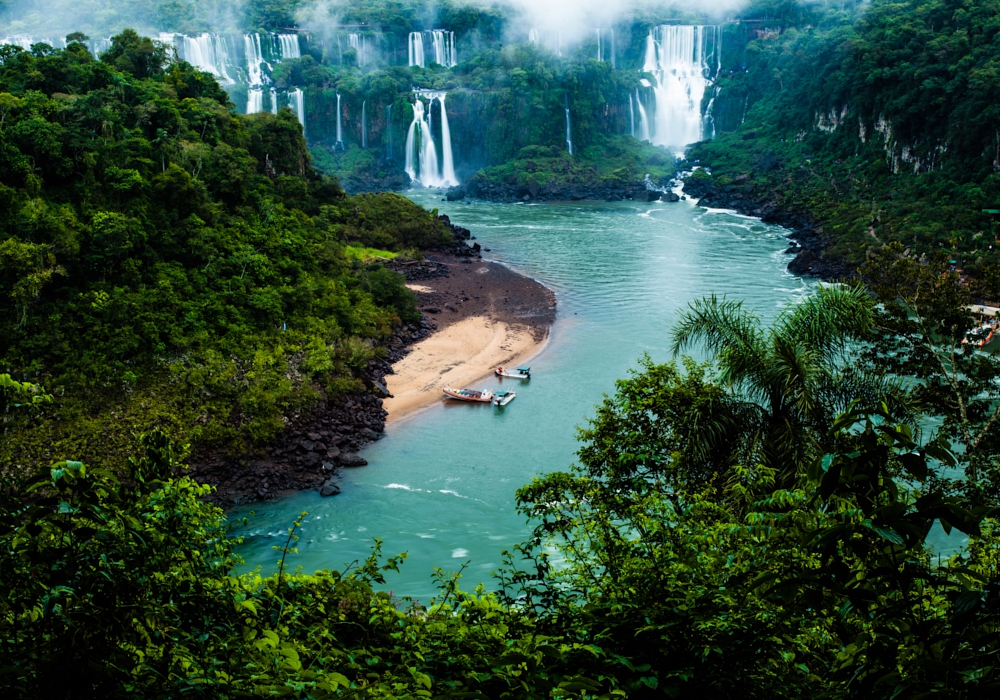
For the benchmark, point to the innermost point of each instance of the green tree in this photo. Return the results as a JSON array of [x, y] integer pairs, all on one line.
[[790, 380]]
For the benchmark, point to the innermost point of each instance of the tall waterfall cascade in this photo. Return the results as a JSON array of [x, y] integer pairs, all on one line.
[[416, 49], [684, 60], [442, 44], [255, 100], [569, 129], [421, 152], [533, 36], [360, 44], [339, 143], [297, 102], [289, 45]]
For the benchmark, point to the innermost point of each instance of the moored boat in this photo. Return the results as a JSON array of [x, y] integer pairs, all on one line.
[[502, 398], [519, 373], [468, 395]]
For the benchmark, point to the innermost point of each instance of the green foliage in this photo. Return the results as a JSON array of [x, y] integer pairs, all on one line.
[[882, 126], [77, 544], [164, 260]]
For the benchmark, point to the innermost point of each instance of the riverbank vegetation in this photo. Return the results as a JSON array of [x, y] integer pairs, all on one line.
[[881, 126], [165, 262], [737, 529]]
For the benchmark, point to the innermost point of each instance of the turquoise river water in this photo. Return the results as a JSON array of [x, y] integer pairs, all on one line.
[[441, 485]]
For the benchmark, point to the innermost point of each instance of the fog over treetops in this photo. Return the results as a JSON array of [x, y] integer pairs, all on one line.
[[56, 18]]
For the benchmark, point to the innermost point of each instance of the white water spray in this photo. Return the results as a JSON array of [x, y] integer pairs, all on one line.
[[569, 129], [340, 134], [416, 49], [678, 58], [255, 59], [296, 100], [421, 151], [289, 46], [255, 100], [643, 119]]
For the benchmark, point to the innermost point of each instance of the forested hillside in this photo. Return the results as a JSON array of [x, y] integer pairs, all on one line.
[[882, 126], [165, 261]]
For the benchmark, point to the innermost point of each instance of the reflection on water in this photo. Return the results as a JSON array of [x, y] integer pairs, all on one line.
[[441, 485]]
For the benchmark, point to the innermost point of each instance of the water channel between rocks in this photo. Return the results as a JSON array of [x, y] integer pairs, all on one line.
[[441, 485]]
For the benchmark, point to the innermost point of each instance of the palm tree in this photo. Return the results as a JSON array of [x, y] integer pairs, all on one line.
[[787, 382]]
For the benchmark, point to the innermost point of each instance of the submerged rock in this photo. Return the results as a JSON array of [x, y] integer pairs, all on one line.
[[329, 488]]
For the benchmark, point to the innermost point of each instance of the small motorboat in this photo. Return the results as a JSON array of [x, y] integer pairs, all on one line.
[[979, 336], [502, 398], [519, 373], [468, 395]]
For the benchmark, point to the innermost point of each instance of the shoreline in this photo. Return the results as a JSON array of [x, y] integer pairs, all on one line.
[[486, 315], [412, 396]]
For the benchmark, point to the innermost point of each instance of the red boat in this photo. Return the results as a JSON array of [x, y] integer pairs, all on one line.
[[468, 395]]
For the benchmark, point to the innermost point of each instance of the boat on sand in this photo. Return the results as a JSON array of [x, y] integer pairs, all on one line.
[[519, 373], [468, 395]]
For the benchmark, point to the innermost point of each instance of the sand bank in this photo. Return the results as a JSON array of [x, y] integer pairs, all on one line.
[[458, 356]]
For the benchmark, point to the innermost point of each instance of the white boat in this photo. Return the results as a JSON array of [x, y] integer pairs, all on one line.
[[519, 373], [468, 395], [502, 398]]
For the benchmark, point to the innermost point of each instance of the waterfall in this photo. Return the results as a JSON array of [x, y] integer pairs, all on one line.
[[643, 119], [631, 116], [421, 152], [677, 56], [569, 130], [289, 46], [710, 110], [274, 101], [559, 44], [533, 36], [448, 163], [444, 47], [598, 44], [364, 126], [340, 134], [296, 100], [612, 30], [206, 52], [255, 59], [416, 46], [255, 100], [358, 42]]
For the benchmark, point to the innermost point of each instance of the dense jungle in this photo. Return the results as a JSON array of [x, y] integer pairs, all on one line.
[[179, 277]]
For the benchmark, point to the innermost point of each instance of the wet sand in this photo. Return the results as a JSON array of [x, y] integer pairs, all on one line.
[[487, 315]]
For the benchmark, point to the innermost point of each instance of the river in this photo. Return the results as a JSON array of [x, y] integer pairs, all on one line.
[[441, 485]]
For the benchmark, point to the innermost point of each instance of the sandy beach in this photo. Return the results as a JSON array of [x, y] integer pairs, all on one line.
[[458, 356], [487, 315]]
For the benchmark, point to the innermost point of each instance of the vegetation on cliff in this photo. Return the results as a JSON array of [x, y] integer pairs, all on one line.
[[881, 125], [164, 261]]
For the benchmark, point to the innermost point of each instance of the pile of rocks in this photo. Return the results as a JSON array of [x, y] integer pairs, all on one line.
[[460, 247], [419, 270]]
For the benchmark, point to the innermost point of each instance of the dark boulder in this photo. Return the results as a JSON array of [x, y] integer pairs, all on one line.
[[329, 488], [352, 460], [669, 197]]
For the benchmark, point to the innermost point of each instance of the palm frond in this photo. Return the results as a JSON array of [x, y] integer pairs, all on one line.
[[830, 318], [727, 331]]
